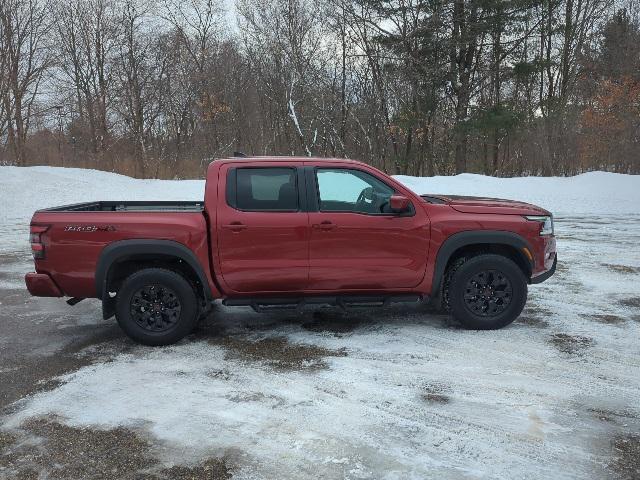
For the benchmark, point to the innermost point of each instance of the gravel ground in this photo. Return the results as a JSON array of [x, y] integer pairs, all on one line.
[[394, 393]]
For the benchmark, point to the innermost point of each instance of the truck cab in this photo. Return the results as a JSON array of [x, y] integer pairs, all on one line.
[[292, 232]]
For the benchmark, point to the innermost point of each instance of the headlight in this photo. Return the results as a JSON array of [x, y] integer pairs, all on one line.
[[547, 223]]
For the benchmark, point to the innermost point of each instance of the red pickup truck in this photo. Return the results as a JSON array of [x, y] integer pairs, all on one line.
[[287, 232]]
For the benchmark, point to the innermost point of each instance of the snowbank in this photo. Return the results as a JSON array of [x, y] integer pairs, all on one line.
[[600, 193], [594, 192], [24, 190]]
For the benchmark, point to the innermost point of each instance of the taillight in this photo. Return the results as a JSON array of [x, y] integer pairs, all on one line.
[[37, 242]]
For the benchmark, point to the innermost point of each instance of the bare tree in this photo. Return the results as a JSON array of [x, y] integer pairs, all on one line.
[[196, 37], [139, 67], [565, 29], [159, 87], [24, 58], [87, 37], [284, 41]]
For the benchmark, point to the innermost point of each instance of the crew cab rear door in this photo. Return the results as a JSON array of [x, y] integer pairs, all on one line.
[[262, 227], [357, 242]]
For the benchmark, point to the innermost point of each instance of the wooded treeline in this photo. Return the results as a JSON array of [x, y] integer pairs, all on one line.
[[157, 88]]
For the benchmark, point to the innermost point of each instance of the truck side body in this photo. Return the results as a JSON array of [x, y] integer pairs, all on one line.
[[230, 248]]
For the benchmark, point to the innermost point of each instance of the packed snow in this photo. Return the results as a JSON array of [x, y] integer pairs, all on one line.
[[397, 393]]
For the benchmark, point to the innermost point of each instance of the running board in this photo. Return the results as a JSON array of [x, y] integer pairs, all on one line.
[[268, 304]]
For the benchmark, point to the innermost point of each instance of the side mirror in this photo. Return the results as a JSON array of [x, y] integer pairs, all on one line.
[[399, 203]]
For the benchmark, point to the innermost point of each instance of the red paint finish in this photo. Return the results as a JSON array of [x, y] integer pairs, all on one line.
[[399, 203], [260, 251], [367, 252], [492, 205], [71, 256], [41, 285], [284, 252], [355, 251]]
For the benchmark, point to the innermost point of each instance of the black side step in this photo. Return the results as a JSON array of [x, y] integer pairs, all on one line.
[[268, 304]]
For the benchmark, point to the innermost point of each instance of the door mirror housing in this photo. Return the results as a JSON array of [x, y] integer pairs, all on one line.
[[399, 203]]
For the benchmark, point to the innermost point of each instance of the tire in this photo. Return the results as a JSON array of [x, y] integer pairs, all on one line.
[[157, 307], [487, 292]]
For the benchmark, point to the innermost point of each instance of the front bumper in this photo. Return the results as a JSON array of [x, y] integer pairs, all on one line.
[[41, 285], [543, 276]]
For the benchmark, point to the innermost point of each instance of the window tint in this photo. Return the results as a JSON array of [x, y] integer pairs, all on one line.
[[266, 189], [346, 190]]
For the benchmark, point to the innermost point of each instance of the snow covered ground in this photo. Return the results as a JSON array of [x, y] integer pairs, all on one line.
[[398, 393]]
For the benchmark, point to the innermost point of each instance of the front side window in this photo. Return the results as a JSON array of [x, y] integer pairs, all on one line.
[[348, 190], [260, 189]]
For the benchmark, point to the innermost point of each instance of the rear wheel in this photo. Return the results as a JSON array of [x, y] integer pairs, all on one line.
[[487, 292], [157, 307]]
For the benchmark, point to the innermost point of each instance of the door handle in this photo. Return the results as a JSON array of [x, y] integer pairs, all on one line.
[[326, 225], [235, 226]]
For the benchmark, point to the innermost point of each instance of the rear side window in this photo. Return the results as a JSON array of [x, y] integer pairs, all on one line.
[[263, 189]]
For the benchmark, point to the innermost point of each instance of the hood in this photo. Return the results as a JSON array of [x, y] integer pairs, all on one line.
[[486, 205]]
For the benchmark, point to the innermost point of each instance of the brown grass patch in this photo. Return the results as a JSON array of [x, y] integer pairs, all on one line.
[[71, 453], [626, 456], [64, 453], [278, 353], [212, 469], [571, 344], [436, 393], [6, 440]]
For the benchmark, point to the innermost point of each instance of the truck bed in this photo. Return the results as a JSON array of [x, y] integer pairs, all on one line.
[[135, 206]]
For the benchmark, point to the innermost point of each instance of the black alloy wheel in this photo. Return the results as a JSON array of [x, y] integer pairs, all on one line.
[[155, 308], [488, 293]]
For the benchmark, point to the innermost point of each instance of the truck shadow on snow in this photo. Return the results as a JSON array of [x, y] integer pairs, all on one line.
[[332, 321]]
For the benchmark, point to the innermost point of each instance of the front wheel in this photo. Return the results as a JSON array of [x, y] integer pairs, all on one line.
[[487, 292], [156, 307]]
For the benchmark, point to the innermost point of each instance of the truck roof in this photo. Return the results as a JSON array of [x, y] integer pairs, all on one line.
[[283, 158]]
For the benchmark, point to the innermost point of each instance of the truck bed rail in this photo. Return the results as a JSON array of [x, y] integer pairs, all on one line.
[[130, 206]]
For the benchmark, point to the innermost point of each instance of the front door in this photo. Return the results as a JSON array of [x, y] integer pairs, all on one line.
[[262, 228], [357, 242]]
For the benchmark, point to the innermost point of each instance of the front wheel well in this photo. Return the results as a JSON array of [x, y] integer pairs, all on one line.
[[466, 252], [509, 251]]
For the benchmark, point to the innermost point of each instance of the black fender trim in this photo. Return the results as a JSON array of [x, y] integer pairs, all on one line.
[[474, 237], [122, 249]]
